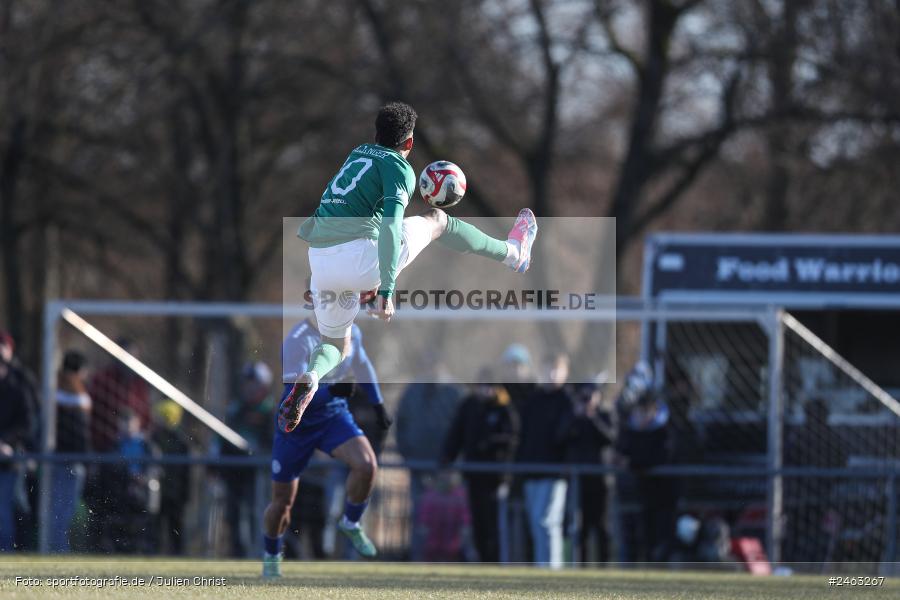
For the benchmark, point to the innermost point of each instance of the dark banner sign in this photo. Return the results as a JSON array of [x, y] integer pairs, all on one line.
[[776, 263]]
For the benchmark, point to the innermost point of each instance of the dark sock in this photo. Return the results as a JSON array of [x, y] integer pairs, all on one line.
[[466, 238], [272, 545], [354, 512]]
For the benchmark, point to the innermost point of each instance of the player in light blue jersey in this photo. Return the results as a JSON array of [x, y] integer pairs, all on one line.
[[327, 426]]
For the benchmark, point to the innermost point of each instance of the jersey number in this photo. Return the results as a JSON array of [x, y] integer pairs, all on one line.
[[341, 191]]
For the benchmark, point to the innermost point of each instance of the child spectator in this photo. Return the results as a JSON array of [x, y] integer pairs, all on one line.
[[175, 480], [444, 520], [132, 491]]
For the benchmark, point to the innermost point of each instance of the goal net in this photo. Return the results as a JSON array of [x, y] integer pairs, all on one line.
[[830, 430]]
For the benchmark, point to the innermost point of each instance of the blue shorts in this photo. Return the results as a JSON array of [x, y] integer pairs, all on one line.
[[291, 451]]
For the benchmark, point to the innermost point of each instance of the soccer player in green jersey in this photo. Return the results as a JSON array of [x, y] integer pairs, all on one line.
[[359, 241]]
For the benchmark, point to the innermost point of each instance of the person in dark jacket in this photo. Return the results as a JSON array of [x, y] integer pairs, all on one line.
[[18, 404], [485, 429], [647, 440], [175, 480], [543, 413], [588, 434], [73, 435], [250, 415]]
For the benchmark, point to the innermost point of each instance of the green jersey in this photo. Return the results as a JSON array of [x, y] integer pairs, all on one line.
[[365, 199]]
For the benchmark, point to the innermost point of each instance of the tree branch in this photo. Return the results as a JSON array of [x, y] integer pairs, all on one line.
[[604, 17], [482, 107], [141, 226], [713, 141]]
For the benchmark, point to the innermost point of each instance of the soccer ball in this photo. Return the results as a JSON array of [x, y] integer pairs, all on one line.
[[442, 184]]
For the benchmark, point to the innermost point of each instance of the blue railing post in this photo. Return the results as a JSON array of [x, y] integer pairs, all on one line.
[[503, 522], [775, 488], [890, 552], [48, 423], [575, 520]]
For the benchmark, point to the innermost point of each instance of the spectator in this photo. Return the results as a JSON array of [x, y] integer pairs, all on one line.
[[444, 520], [588, 434], [73, 413], [250, 416], [18, 403], [544, 413], [112, 389], [681, 396], [175, 480], [638, 382], [697, 541], [424, 415], [485, 429], [516, 372], [131, 491], [133, 443], [646, 440]]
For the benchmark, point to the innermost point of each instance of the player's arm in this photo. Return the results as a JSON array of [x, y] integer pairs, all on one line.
[[396, 197], [389, 239]]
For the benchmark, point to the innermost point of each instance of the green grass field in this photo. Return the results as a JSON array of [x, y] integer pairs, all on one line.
[[320, 581]]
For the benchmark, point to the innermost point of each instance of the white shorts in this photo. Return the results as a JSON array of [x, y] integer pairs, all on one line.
[[341, 273]]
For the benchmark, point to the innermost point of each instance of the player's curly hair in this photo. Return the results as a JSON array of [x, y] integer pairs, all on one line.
[[395, 122]]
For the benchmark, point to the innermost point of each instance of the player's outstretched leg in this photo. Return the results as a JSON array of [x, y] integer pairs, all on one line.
[[326, 356], [521, 237], [514, 252], [294, 404]]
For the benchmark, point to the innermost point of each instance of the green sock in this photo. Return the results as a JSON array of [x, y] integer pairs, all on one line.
[[324, 358], [466, 238]]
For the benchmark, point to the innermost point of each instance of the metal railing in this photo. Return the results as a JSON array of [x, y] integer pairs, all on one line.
[[774, 398], [888, 475]]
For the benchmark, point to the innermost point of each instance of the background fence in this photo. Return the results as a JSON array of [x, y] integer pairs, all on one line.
[[772, 434]]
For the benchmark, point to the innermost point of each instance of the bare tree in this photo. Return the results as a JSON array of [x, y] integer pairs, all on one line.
[[155, 146], [668, 167], [35, 44]]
